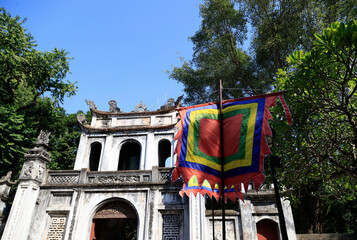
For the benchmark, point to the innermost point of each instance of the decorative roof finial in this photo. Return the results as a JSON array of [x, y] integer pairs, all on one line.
[[113, 107], [81, 118], [140, 107], [43, 138], [91, 104]]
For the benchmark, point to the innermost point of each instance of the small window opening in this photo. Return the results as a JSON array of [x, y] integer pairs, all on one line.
[[164, 153], [129, 158], [96, 149]]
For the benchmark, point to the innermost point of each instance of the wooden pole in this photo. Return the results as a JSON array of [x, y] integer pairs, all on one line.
[[222, 162], [213, 233], [284, 233]]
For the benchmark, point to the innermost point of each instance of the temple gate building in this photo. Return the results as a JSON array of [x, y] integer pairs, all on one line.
[[120, 188]]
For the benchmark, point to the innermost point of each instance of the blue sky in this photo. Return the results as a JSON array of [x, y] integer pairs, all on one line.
[[121, 49]]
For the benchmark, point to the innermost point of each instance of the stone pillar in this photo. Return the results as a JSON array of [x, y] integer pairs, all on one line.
[[107, 157], [80, 160], [151, 154], [33, 173], [249, 227], [289, 220], [5, 185], [197, 223]]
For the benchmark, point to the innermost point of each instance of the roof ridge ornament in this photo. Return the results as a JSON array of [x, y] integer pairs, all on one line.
[[140, 107], [81, 118], [171, 103], [113, 107], [91, 104]]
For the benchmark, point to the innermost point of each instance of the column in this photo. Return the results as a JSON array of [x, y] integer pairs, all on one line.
[[80, 160], [249, 227], [289, 220], [197, 223], [33, 173], [107, 163]]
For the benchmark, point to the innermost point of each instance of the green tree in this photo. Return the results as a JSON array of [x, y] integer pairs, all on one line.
[[218, 55], [278, 28], [321, 155], [26, 74], [65, 140], [283, 26]]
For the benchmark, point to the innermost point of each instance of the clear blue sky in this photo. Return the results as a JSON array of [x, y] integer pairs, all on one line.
[[121, 49]]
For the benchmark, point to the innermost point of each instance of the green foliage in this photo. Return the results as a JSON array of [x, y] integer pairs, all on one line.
[[26, 75], [65, 140], [319, 149], [217, 55], [322, 157]]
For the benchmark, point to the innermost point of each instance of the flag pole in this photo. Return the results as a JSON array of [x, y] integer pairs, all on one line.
[[213, 234], [222, 162]]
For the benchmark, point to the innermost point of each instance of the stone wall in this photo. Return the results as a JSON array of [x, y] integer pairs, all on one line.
[[327, 236]]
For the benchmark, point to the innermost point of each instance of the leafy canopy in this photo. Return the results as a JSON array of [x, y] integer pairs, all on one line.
[[317, 151], [218, 55], [26, 75], [322, 142]]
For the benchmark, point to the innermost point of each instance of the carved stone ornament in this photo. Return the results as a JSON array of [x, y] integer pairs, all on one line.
[[28, 170], [43, 137], [140, 107], [171, 226], [81, 118], [117, 209], [170, 103], [40, 171], [33, 170], [7, 178], [113, 107], [114, 179], [178, 101], [57, 227], [91, 104]]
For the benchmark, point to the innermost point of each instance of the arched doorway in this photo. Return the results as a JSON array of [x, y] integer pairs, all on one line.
[[267, 230], [129, 158], [115, 220]]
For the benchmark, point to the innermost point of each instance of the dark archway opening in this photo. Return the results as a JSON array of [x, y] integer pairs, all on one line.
[[115, 221], [164, 153], [129, 158], [267, 230], [95, 151]]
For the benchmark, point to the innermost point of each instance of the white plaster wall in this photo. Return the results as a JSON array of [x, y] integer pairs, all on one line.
[[19, 221], [118, 142], [90, 202], [198, 225], [157, 138], [289, 220], [150, 152], [107, 154], [82, 159]]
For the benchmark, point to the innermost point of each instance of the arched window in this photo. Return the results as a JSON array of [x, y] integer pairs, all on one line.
[[267, 230], [129, 158], [95, 151], [164, 153]]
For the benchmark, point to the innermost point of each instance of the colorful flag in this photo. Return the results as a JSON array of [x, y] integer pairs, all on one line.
[[198, 148]]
